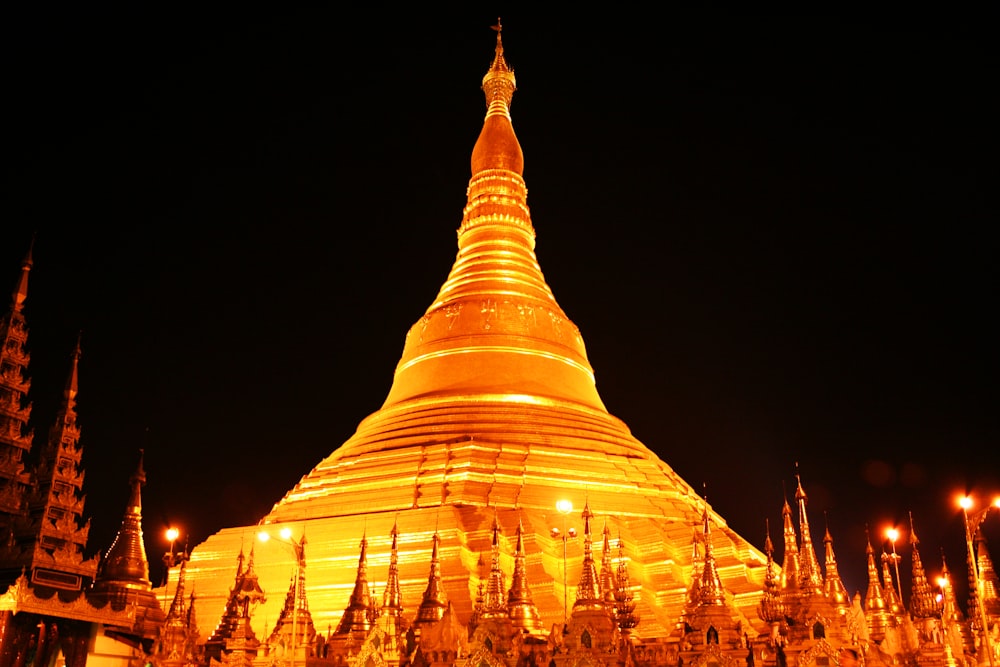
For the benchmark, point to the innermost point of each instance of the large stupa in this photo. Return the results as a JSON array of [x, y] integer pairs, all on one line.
[[493, 415]]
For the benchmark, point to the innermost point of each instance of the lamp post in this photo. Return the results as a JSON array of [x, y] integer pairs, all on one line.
[[893, 535], [965, 502], [169, 560], [296, 546], [565, 508]]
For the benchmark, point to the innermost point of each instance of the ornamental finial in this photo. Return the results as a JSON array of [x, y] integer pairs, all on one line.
[[499, 84]]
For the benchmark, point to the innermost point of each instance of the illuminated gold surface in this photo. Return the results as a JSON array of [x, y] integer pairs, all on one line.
[[493, 412]]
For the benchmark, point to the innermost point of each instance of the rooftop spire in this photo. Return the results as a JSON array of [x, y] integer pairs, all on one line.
[[123, 576], [588, 594], [790, 563], [833, 585], [811, 577], [20, 294], [624, 598], [360, 613], [607, 569], [520, 606], [494, 603], [495, 329], [710, 591], [923, 601], [392, 600], [770, 609], [433, 604]]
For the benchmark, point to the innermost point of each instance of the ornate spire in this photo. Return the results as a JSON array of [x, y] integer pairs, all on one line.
[[834, 587], [123, 576], [179, 636], [494, 603], [245, 594], [892, 601], [360, 613], [588, 594], [294, 627], [433, 604], [810, 576], [876, 609], [790, 564], [950, 611], [56, 556], [15, 437], [520, 607], [499, 83], [495, 328], [392, 599], [770, 609], [607, 575], [125, 563], [20, 294], [710, 590], [923, 602], [624, 598], [987, 576]]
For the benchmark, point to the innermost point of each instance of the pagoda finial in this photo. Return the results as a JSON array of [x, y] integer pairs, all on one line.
[[21, 289], [520, 607], [833, 585], [499, 83], [433, 604]]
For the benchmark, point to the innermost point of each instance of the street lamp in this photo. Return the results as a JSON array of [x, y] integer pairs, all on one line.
[[893, 535], [966, 502], [296, 546], [169, 560], [564, 507]]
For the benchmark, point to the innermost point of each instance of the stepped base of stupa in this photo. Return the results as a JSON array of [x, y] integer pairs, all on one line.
[[451, 467]]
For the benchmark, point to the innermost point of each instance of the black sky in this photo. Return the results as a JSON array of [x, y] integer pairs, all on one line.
[[776, 233]]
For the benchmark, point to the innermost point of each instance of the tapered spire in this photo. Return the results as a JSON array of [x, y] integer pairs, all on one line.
[[495, 329], [15, 436], [607, 575], [790, 564], [294, 628], [392, 598], [810, 576], [987, 576], [20, 294], [178, 638], [770, 609], [125, 562], [55, 556], [360, 613], [588, 593], [433, 604], [624, 597], [520, 606], [123, 576], [923, 601], [889, 587], [834, 587], [494, 602], [877, 611], [710, 592]]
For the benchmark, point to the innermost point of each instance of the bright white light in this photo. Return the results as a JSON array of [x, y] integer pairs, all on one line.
[[564, 506], [286, 533], [172, 534]]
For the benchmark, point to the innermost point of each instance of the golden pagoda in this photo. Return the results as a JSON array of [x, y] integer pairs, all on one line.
[[492, 417]]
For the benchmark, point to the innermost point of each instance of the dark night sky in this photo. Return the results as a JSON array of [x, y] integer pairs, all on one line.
[[777, 234]]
